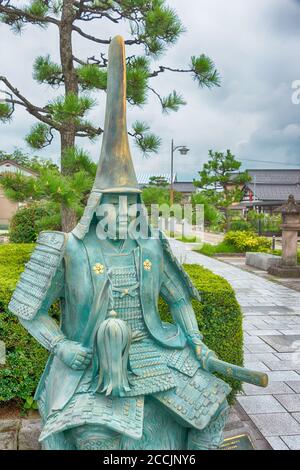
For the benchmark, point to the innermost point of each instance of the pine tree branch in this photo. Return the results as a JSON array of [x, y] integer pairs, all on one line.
[[9, 101], [102, 63], [157, 94], [31, 108], [79, 61], [49, 140], [89, 13], [88, 36], [128, 42], [88, 131], [162, 68], [17, 14]]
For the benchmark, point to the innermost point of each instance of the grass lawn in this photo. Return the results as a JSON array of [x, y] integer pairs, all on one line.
[[182, 238], [212, 250], [227, 248]]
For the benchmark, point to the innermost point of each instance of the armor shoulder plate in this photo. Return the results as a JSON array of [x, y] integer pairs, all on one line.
[[185, 277], [37, 277]]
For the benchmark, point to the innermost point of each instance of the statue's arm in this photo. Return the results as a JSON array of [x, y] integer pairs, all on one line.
[[174, 292], [177, 291], [42, 327], [41, 283], [48, 333]]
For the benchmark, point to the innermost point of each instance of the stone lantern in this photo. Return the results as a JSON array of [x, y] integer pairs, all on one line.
[[288, 266]]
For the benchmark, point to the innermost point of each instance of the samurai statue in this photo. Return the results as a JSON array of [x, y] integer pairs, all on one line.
[[118, 377]]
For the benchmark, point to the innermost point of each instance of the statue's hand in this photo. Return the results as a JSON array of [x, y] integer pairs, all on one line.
[[203, 353], [73, 354]]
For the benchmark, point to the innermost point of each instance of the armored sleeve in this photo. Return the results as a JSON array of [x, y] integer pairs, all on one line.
[[43, 278], [177, 290]]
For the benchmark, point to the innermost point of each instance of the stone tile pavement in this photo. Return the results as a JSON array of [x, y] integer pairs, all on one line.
[[271, 344]]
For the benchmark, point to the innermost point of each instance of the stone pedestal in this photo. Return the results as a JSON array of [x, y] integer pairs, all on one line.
[[288, 266], [20, 434], [263, 261], [281, 271]]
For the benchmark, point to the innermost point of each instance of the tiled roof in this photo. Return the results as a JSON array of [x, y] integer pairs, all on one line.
[[274, 192], [291, 176], [184, 186], [274, 184]]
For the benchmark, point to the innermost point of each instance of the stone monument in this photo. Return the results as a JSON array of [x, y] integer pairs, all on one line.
[[117, 376], [288, 266]]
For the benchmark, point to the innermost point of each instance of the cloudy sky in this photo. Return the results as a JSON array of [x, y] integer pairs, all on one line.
[[255, 45]]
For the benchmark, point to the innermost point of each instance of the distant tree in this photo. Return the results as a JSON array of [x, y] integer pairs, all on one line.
[[52, 189], [154, 26], [221, 181], [212, 216], [34, 163], [159, 181], [158, 195]]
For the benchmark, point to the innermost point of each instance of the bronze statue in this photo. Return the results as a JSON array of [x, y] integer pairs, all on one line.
[[117, 376]]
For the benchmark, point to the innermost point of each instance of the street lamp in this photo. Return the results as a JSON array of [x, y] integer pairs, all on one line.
[[183, 150]]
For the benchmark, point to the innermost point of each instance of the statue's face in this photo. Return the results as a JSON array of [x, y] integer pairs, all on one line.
[[116, 212]]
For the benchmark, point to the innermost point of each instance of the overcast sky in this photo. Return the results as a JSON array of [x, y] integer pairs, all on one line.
[[255, 45]]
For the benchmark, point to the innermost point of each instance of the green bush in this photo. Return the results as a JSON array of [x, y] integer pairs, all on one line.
[[247, 241], [24, 226], [218, 315], [25, 358], [267, 222], [213, 218], [25, 361], [12, 260], [237, 225]]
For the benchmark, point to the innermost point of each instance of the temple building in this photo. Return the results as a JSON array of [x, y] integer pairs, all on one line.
[[269, 189]]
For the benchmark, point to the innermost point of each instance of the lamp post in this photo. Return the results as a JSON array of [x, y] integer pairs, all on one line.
[[183, 151]]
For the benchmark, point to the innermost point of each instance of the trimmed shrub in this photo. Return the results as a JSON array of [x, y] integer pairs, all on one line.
[[25, 358], [25, 361], [12, 260], [23, 224], [29, 221], [218, 315], [247, 241]]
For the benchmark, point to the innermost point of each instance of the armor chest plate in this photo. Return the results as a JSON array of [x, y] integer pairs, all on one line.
[[125, 287]]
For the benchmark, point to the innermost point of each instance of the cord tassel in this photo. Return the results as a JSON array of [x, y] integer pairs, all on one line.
[[113, 340]]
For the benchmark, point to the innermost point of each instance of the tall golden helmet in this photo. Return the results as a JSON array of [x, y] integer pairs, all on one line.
[[115, 172]]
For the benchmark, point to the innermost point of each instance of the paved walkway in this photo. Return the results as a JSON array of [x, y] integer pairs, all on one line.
[[271, 340]]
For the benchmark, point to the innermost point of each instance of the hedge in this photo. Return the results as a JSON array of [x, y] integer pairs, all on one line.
[[25, 358], [219, 317]]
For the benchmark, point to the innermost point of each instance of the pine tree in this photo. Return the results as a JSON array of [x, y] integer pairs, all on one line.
[[153, 25], [221, 181]]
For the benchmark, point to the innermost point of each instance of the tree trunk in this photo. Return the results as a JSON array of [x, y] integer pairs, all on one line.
[[68, 133], [69, 218]]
